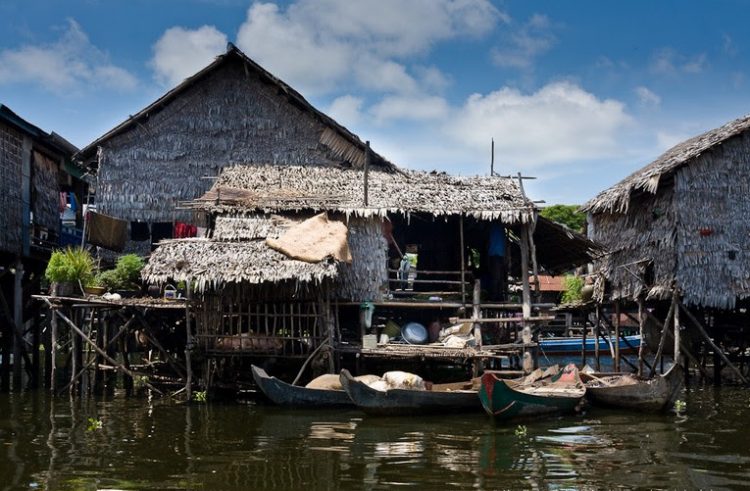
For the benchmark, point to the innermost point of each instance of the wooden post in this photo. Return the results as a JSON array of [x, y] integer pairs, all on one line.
[[677, 358], [477, 312], [18, 321], [597, 331], [367, 171], [74, 360], [617, 336], [583, 342], [189, 344], [463, 259], [641, 323], [35, 355], [53, 350], [525, 272]]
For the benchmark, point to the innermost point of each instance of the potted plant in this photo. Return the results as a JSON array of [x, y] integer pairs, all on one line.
[[94, 286], [68, 270]]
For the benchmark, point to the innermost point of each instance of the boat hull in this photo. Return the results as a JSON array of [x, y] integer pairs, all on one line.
[[404, 401], [656, 394], [574, 345], [503, 399], [284, 394]]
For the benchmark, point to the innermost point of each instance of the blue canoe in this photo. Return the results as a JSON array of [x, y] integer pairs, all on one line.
[[573, 345]]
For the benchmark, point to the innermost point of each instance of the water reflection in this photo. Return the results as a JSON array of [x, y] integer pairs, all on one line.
[[152, 444]]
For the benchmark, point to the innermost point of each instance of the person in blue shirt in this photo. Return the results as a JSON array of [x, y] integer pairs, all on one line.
[[497, 266]]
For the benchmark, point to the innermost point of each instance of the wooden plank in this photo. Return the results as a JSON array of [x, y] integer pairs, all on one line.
[[502, 320]]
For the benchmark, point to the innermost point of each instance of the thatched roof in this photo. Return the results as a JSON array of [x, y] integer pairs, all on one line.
[[559, 248], [617, 198], [346, 144], [277, 188], [214, 263]]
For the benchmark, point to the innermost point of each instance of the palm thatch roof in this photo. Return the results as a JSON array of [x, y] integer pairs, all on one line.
[[617, 198], [277, 188], [346, 144], [213, 263]]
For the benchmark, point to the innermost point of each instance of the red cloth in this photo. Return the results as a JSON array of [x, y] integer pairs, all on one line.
[[184, 230]]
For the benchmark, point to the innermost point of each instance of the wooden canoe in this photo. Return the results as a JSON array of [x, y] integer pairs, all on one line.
[[442, 398], [627, 391], [532, 396], [285, 394]]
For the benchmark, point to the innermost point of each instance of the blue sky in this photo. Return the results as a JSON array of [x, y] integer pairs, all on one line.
[[576, 93]]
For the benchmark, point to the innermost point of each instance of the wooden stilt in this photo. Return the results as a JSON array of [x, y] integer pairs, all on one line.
[[35, 355], [47, 348], [617, 336], [53, 350], [583, 342], [676, 319], [74, 359], [189, 344], [641, 323], [109, 359], [463, 258], [476, 314], [18, 339], [713, 345], [597, 331]]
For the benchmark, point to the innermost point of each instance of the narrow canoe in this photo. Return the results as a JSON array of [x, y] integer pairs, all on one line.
[[627, 391], [574, 345], [527, 397], [285, 394], [446, 398]]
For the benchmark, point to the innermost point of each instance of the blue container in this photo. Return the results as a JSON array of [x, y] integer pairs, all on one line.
[[414, 333]]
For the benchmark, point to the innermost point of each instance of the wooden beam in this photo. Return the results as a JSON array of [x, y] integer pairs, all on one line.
[[462, 257], [641, 323], [526, 294], [189, 343], [663, 339], [617, 336]]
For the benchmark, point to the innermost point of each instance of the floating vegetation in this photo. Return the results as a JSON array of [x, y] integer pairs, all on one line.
[[94, 424]]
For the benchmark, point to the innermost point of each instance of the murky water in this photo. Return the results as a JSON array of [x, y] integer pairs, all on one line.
[[50, 443]]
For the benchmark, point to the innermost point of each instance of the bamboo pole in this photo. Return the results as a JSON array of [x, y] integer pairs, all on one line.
[[617, 336], [677, 359], [463, 258], [641, 322], [526, 306], [100, 351], [188, 345], [53, 350], [710, 341], [583, 343], [18, 339], [597, 330], [663, 339]]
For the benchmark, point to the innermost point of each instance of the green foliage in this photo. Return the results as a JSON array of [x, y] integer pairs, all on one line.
[[71, 264], [94, 424], [573, 287], [521, 431], [126, 273], [129, 267], [567, 215], [680, 406], [140, 381], [199, 396]]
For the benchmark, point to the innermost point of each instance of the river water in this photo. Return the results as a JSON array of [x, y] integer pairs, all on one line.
[[139, 443]]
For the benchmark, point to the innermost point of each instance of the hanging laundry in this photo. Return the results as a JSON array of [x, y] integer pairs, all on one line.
[[105, 231], [184, 230], [160, 231], [139, 231], [73, 202]]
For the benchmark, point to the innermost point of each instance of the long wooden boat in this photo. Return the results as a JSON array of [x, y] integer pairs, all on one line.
[[574, 345], [442, 398], [630, 392], [535, 395], [286, 394]]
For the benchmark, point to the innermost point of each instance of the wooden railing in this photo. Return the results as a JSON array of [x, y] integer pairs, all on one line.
[[429, 283]]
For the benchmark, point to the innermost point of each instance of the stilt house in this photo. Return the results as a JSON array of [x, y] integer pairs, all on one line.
[[680, 223]]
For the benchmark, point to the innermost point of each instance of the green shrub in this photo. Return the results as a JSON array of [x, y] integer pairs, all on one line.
[[71, 264], [573, 287], [129, 267], [111, 280]]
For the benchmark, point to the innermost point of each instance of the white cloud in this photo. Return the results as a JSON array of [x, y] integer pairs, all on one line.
[[560, 122], [69, 64], [181, 52], [415, 108], [346, 109], [668, 61], [523, 45], [317, 45], [647, 97]]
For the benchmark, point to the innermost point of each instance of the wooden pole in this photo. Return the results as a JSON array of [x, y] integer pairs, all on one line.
[[492, 158], [617, 336], [526, 307], [476, 314], [677, 358], [597, 330], [463, 258], [53, 350], [710, 341], [110, 360], [664, 331], [367, 172], [189, 344], [641, 323], [75, 361], [18, 339], [583, 342], [685, 351]]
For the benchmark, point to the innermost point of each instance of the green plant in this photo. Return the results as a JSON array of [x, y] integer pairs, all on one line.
[[140, 381], [94, 424], [521, 431], [71, 264], [680, 406], [199, 396], [110, 279], [129, 267], [573, 287]]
